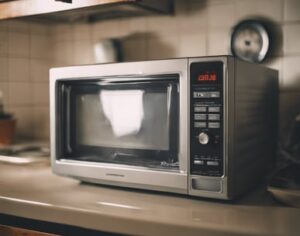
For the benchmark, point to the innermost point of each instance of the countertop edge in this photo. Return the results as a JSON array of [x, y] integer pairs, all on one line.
[[102, 222]]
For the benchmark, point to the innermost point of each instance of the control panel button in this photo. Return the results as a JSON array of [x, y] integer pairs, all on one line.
[[215, 94], [212, 163], [214, 125], [200, 116], [214, 109], [199, 162], [199, 109], [214, 116], [200, 124], [200, 94], [203, 138]]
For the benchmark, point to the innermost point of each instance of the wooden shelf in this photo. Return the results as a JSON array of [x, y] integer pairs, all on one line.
[[26, 8]]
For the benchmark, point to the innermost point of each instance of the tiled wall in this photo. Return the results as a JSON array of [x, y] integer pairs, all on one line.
[[24, 64], [199, 28]]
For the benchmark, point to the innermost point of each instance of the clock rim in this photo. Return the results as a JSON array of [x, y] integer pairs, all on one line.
[[263, 32]]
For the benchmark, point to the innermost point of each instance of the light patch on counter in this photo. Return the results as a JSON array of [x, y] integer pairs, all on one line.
[[26, 201], [21, 160], [119, 205]]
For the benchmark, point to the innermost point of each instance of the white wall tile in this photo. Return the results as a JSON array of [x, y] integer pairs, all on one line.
[[129, 26], [18, 25], [83, 52], [18, 69], [162, 48], [192, 45], [40, 46], [41, 122], [39, 70], [291, 10], [270, 9], [3, 43], [193, 19], [20, 94], [24, 121], [291, 73], [38, 28], [291, 38], [3, 69], [4, 25], [62, 32], [40, 94], [105, 29], [63, 52], [18, 44], [134, 49], [221, 15], [162, 25], [81, 32], [218, 42]]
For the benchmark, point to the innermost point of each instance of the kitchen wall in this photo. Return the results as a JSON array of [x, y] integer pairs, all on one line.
[[198, 28], [24, 65]]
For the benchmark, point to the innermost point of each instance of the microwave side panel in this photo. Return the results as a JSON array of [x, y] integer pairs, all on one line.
[[255, 125]]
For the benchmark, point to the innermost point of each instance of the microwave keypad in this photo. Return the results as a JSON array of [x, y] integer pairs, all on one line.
[[200, 124], [200, 109], [214, 109], [200, 116], [214, 125], [206, 114], [207, 127], [212, 94]]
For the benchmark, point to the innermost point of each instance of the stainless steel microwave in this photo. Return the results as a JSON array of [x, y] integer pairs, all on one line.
[[201, 126]]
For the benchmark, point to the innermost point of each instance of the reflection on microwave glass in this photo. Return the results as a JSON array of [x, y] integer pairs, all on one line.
[[124, 118]]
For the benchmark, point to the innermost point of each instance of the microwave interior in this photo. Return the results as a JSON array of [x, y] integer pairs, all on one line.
[[128, 121]]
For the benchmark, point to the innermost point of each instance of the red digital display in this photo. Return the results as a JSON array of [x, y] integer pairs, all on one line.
[[207, 77]]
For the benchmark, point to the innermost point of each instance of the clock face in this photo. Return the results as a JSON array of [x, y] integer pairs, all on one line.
[[250, 41]]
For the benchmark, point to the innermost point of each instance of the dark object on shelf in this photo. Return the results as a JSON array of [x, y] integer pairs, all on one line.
[[285, 183], [7, 125], [7, 130]]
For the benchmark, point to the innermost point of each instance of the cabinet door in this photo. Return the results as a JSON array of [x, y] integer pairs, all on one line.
[[12, 231]]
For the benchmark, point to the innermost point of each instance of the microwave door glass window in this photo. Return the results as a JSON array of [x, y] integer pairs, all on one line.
[[131, 123], [123, 119], [124, 111]]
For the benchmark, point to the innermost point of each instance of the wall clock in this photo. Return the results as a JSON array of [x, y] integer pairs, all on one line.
[[250, 41]]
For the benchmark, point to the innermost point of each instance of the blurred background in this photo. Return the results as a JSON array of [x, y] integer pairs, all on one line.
[[28, 49]]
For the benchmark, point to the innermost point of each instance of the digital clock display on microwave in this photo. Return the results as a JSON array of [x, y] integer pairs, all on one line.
[[207, 73], [207, 76]]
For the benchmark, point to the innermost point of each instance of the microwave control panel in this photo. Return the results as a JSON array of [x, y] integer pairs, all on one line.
[[206, 118]]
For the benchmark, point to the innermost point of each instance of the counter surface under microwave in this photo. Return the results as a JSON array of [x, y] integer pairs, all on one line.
[[201, 126]]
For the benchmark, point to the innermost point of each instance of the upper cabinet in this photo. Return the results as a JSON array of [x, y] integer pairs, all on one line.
[[84, 10]]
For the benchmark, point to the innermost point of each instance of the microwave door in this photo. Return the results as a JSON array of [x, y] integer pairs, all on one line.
[[128, 123]]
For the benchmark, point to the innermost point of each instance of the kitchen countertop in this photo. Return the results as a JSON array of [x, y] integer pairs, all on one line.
[[32, 191]]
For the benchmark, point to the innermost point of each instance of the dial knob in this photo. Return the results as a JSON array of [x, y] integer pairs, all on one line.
[[203, 138]]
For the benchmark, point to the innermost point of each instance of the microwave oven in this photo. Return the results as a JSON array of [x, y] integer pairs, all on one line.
[[201, 126]]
